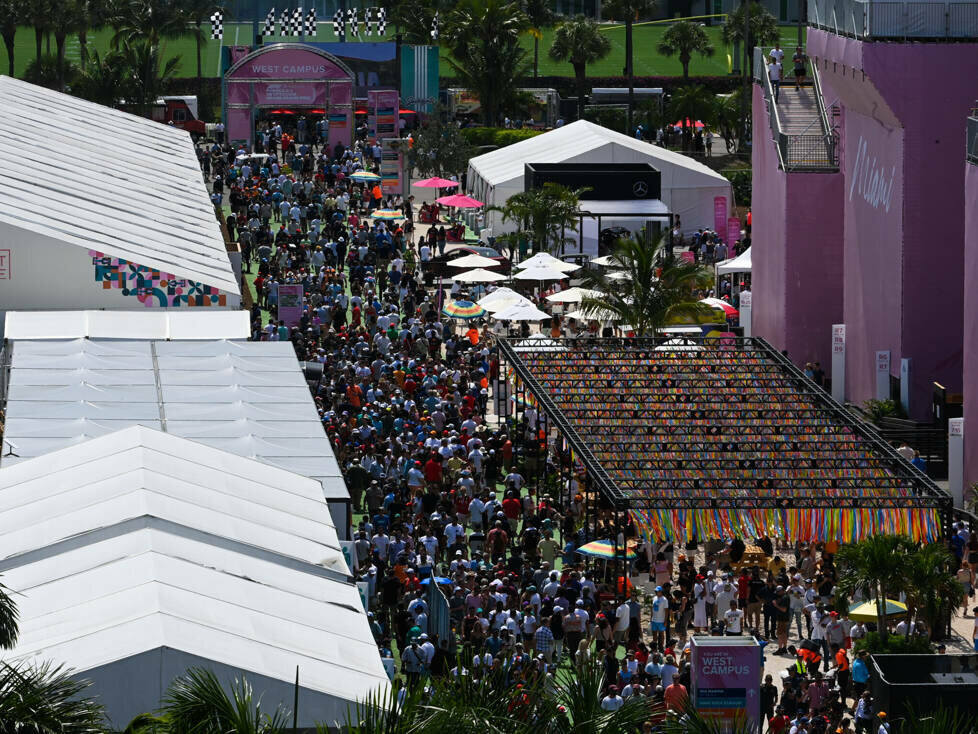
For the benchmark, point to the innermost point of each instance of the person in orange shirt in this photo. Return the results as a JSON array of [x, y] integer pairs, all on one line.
[[842, 672], [473, 335], [375, 196], [354, 394], [675, 696]]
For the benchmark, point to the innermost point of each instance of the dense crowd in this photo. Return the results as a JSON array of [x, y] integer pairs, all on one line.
[[447, 493]]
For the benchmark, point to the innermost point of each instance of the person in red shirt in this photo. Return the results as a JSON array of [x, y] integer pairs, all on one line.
[[512, 509], [779, 722], [675, 696], [433, 471]]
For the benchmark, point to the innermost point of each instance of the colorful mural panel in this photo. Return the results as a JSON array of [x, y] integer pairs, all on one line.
[[152, 288]]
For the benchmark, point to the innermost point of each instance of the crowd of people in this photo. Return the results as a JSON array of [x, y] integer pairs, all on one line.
[[445, 492]]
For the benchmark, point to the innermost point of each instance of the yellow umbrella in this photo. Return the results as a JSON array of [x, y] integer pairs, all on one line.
[[866, 612]]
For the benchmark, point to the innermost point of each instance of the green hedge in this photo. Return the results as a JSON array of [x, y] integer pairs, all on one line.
[[499, 137], [894, 645]]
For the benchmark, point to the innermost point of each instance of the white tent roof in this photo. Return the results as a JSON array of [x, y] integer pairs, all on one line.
[[105, 180], [142, 324], [140, 541], [249, 398], [688, 187], [739, 264]]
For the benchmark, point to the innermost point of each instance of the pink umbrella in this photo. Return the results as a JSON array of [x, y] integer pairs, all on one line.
[[436, 183], [459, 200]]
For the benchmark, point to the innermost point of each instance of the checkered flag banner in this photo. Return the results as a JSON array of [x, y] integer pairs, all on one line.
[[310, 26], [269, 29], [217, 25], [352, 22], [368, 21], [338, 24], [434, 28], [285, 23], [381, 21], [298, 22]]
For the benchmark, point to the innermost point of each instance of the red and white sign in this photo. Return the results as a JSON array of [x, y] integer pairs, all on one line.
[[883, 361], [838, 339]]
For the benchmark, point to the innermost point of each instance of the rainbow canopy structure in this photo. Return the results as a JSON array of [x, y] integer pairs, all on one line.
[[724, 439]]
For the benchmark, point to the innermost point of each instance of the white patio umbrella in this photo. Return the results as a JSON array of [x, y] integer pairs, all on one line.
[[573, 295], [599, 315], [521, 312], [479, 275], [540, 273], [545, 259], [501, 298], [473, 261], [604, 260], [620, 275]]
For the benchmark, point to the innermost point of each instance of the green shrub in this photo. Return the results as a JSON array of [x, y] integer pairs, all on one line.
[[879, 409], [894, 645], [501, 137], [740, 180]]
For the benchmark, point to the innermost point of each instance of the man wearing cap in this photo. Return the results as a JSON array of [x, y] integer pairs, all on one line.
[[884, 724], [612, 702]]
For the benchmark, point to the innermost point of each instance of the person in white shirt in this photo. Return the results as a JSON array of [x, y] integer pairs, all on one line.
[[733, 618], [622, 619], [777, 53], [612, 702], [774, 72], [660, 611]]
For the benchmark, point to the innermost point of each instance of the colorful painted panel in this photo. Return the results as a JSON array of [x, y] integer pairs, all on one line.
[[152, 287]]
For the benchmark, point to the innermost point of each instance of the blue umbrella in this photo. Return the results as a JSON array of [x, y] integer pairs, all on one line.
[[443, 580]]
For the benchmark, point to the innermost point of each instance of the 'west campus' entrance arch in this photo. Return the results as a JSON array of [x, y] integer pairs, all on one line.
[[288, 74]]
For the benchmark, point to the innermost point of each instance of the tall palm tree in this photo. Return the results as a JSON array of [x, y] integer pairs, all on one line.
[[13, 14], [8, 619], [39, 17], [97, 14], [762, 28], [197, 702], [690, 103], [931, 586], [483, 37], [539, 15], [629, 10], [101, 78], [544, 215], [578, 690], [683, 39], [69, 16], [146, 75], [726, 117], [148, 20], [655, 291], [579, 42], [876, 566]]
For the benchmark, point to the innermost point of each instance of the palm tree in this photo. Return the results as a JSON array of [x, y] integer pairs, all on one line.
[[39, 17], [101, 78], [543, 215], [691, 103], [726, 117], [147, 20], [197, 702], [763, 28], [580, 42], [578, 691], [629, 10], [42, 697], [540, 15], [69, 17], [931, 587], [8, 619], [683, 39], [96, 16], [876, 566], [13, 13], [484, 39], [656, 290], [146, 78]]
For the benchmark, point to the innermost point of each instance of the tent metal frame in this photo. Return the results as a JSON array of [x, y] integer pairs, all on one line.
[[903, 487]]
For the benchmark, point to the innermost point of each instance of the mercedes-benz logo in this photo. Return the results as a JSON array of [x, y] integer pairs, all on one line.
[[640, 189]]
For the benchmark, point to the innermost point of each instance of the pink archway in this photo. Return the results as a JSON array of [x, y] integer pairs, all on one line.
[[288, 74]]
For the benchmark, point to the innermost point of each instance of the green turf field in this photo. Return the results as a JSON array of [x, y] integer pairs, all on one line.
[[647, 61]]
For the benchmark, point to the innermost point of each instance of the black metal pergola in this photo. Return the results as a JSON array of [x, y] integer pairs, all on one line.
[[717, 436]]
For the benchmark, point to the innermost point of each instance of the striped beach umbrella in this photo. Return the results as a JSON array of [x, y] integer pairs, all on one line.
[[606, 549], [387, 214], [463, 310], [365, 176]]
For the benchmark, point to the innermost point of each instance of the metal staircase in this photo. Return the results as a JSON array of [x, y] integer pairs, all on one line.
[[799, 123]]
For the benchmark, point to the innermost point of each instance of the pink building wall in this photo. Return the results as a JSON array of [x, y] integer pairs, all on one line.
[[796, 251], [903, 190], [971, 324]]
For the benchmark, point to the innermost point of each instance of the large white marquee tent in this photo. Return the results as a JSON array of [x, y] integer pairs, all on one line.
[[102, 209], [138, 555], [248, 398], [688, 187]]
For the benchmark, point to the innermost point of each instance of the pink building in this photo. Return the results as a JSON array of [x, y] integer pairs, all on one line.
[[971, 303], [869, 232]]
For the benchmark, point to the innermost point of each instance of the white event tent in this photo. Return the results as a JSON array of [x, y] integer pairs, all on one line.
[[688, 187], [138, 555], [739, 264], [248, 398], [103, 209]]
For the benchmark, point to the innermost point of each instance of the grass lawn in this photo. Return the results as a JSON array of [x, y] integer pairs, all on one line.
[[647, 61]]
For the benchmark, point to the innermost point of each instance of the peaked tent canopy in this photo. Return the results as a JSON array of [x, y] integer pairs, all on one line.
[[101, 191], [739, 264], [139, 554], [688, 187]]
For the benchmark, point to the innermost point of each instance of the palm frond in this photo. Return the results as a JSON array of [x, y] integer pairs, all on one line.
[[43, 698]]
